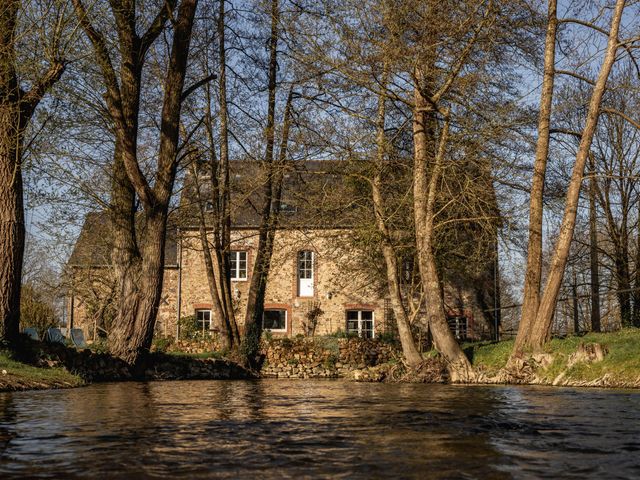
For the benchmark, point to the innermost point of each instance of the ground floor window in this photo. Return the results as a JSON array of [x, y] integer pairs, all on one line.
[[274, 320], [203, 317], [458, 326], [360, 322]]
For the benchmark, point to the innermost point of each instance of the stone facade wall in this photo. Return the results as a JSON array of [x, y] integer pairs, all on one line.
[[323, 357], [340, 284]]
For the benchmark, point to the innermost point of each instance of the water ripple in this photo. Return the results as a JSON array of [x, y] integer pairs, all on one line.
[[318, 429]]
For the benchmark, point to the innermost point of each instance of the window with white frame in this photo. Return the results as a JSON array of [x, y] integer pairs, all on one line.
[[360, 322], [238, 265], [305, 273], [274, 320], [203, 317]]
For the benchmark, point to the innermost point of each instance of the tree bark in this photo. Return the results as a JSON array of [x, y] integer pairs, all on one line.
[[425, 185], [409, 349], [541, 328], [16, 109], [533, 273], [593, 251], [139, 241], [213, 280], [271, 200]]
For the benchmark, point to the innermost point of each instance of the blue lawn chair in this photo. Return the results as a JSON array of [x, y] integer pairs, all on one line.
[[32, 333], [77, 337], [54, 335]]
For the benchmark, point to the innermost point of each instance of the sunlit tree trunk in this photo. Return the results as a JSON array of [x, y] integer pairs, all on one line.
[[425, 186], [541, 328], [139, 242], [593, 251], [16, 109], [533, 273], [409, 349]]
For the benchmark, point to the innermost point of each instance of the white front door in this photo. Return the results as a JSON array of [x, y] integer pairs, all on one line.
[[305, 273]]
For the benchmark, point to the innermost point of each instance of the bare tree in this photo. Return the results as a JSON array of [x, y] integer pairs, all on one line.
[[534, 333], [17, 106], [139, 240]]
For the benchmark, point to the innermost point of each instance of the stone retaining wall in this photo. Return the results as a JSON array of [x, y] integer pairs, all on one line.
[[99, 367], [323, 357]]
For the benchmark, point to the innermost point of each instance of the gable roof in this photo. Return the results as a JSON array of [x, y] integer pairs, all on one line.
[[309, 200], [310, 195], [95, 243]]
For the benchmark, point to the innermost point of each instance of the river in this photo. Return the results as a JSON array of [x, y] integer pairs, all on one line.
[[319, 429]]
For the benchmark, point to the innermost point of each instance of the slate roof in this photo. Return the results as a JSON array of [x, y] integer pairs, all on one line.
[[311, 195], [314, 196], [95, 242]]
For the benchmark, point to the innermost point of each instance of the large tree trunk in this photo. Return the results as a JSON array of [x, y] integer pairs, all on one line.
[[541, 328], [139, 240], [16, 109], [425, 185], [132, 333], [409, 349], [533, 273], [12, 228]]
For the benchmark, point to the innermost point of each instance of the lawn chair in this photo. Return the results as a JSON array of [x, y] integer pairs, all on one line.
[[32, 333], [54, 335], [77, 337]]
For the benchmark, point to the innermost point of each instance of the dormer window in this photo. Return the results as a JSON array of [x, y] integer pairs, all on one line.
[[287, 208]]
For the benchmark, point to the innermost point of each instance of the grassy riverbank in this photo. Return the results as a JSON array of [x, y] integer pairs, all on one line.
[[15, 375], [620, 366]]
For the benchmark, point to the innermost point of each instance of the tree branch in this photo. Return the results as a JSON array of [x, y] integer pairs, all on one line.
[[197, 85], [102, 55], [30, 99], [156, 26], [576, 75]]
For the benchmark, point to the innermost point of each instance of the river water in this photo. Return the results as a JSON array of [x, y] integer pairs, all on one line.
[[318, 429]]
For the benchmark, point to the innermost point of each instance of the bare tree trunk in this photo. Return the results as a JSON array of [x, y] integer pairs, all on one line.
[[132, 333], [636, 292], [266, 239], [222, 259], [409, 349], [540, 330], [593, 251], [268, 217], [219, 314], [424, 195], [533, 273], [12, 230], [16, 109], [140, 267]]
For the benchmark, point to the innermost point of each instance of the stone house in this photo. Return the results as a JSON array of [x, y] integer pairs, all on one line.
[[318, 283]]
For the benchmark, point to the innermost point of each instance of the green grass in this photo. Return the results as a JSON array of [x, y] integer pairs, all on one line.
[[21, 376], [621, 364], [197, 355]]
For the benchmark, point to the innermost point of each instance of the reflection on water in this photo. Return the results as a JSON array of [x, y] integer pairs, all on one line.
[[286, 429]]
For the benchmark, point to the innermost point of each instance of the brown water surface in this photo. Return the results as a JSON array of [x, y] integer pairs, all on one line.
[[318, 429]]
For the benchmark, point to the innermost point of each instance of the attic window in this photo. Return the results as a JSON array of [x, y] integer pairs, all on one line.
[[288, 208], [208, 207]]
